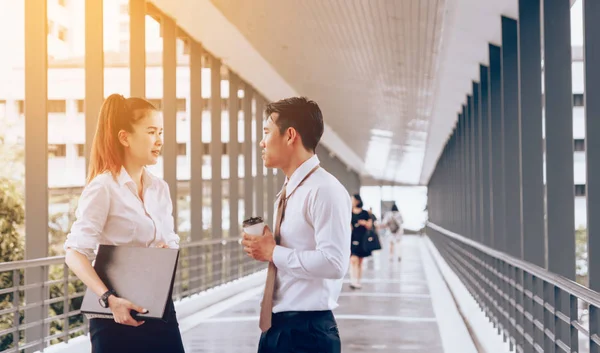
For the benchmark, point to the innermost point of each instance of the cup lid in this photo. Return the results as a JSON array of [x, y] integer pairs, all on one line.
[[252, 221]]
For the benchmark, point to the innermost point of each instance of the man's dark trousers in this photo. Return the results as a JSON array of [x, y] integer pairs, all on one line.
[[301, 332]]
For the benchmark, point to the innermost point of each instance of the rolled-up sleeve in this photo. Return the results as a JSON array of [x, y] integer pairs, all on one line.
[[330, 213], [91, 214], [172, 239]]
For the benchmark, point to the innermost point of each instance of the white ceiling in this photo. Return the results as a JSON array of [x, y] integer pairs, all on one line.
[[389, 75]]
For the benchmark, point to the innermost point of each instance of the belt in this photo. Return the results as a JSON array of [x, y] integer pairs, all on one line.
[[292, 316]]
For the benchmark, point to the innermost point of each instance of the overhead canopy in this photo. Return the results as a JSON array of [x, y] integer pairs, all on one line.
[[390, 76]]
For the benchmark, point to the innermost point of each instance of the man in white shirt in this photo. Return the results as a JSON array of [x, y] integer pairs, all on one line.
[[309, 249]]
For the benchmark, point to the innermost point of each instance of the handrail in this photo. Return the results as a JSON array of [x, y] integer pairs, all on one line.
[[55, 260], [567, 285], [203, 264]]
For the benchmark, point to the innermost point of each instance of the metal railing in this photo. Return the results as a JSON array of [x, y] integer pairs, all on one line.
[[56, 317], [535, 310]]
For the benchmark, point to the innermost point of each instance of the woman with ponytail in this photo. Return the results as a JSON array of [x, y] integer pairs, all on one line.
[[124, 204]]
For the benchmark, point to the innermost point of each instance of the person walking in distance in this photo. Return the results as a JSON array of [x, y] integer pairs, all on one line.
[[393, 221], [309, 250], [361, 224]]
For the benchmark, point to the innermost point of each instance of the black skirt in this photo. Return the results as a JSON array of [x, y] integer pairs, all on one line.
[[154, 336]]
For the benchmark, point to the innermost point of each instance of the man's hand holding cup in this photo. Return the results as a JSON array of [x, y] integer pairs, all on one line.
[[257, 239]]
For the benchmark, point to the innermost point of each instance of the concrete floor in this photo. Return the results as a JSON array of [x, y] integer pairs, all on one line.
[[393, 312]]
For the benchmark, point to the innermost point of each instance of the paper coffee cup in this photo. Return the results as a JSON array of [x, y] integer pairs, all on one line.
[[254, 226]]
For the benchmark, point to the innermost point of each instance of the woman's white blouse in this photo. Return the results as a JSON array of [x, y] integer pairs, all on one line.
[[110, 212]]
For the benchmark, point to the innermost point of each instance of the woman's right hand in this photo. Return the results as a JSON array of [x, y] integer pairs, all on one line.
[[121, 311]]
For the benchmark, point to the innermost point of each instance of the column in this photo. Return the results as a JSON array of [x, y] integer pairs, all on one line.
[[216, 147], [591, 20], [486, 185], [469, 166], [270, 197], [259, 208], [196, 153], [247, 150], [169, 108], [511, 136], [234, 226], [560, 197], [462, 155], [137, 48], [477, 164], [196, 145], [497, 146], [559, 138], [36, 162], [94, 70], [532, 144]]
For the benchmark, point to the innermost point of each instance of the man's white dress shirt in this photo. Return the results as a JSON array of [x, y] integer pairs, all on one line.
[[314, 253], [111, 212]]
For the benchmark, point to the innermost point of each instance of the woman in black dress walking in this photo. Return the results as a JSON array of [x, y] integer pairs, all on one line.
[[361, 223]]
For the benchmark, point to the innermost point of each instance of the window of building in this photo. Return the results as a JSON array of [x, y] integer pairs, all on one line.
[[124, 9], [181, 105], [50, 27], [124, 27], [62, 33], [181, 149], [157, 103], [579, 145], [55, 151], [57, 106], [80, 106], [80, 150], [21, 105], [580, 190], [62, 3], [578, 100], [124, 45]]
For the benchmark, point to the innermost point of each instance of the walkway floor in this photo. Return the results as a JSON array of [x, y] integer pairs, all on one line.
[[393, 312]]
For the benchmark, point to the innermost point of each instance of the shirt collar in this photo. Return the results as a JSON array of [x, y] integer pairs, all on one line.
[[147, 178], [299, 174]]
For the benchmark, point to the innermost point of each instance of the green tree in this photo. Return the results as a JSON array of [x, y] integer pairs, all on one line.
[[581, 256], [59, 226], [12, 215]]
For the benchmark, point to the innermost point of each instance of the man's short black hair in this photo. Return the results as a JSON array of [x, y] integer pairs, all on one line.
[[301, 114]]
